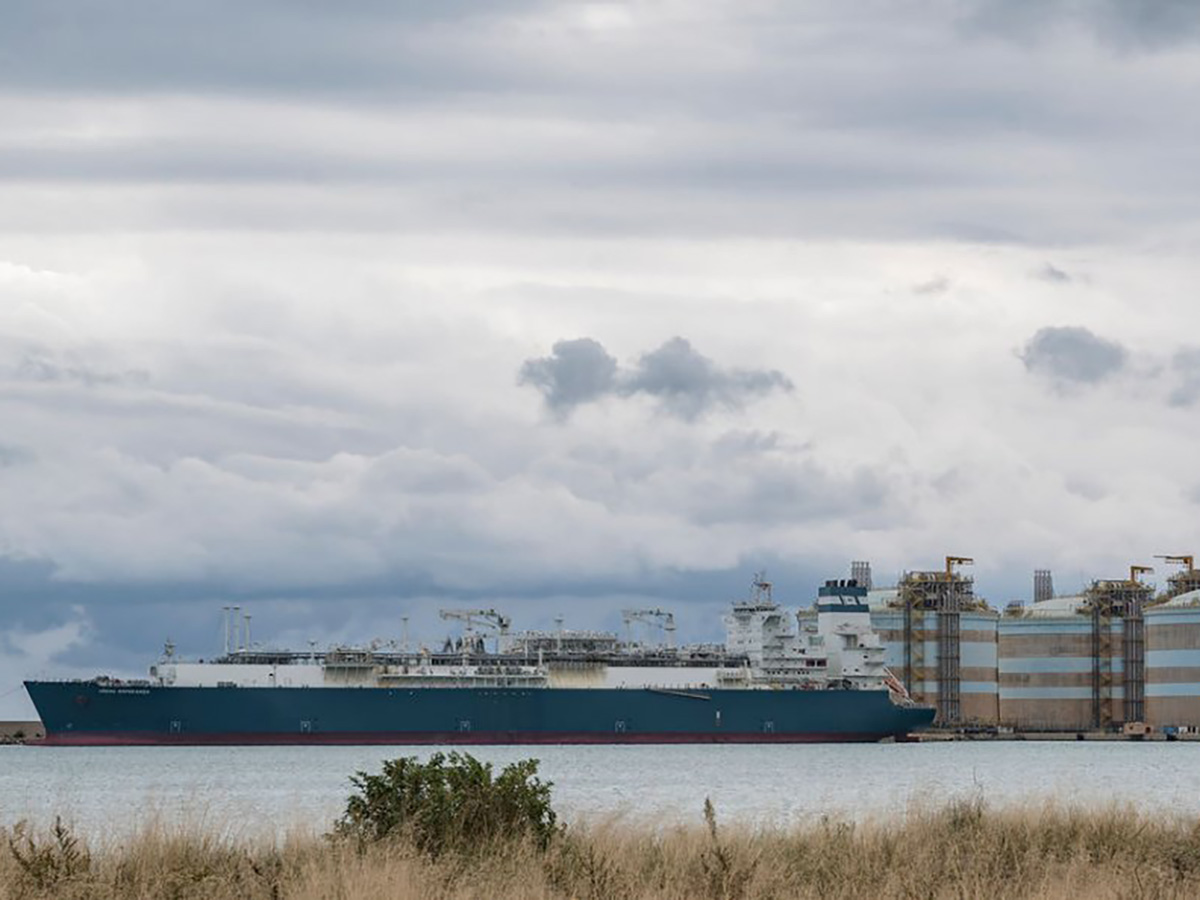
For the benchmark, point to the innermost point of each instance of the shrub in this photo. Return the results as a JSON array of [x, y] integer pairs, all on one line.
[[450, 803]]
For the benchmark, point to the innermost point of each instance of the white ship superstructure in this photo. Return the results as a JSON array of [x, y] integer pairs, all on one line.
[[766, 646]]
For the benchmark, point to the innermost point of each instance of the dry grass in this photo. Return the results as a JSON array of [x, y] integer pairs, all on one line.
[[961, 851]]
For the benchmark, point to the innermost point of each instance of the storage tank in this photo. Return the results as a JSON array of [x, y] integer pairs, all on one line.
[[1173, 662], [978, 689], [1049, 675]]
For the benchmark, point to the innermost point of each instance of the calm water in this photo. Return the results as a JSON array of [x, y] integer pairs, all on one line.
[[246, 790]]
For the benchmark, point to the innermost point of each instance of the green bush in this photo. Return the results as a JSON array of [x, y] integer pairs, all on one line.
[[450, 803]]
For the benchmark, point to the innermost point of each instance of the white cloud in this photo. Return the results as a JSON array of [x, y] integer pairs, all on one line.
[[262, 320]]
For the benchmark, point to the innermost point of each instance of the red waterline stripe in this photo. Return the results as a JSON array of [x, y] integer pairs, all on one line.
[[146, 738]]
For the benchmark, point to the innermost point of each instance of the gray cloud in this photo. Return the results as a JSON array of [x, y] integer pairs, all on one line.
[[14, 456], [689, 384], [1051, 273], [602, 119], [274, 47], [331, 248], [1141, 24], [1072, 354], [686, 383], [577, 371], [933, 287], [1186, 366], [44, 366]]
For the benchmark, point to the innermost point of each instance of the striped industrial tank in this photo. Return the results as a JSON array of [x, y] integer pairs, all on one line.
[[920, 665], [1049, 675], [1173, 662]]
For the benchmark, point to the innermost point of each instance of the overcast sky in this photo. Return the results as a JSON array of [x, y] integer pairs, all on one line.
[[344, 313]]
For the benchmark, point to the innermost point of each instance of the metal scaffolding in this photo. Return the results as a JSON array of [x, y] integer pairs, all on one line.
[[1043, 585], [860, 571], [945, 594], [1185, 580], [1123, 600]]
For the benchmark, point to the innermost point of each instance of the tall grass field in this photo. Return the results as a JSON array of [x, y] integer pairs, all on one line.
[[463, 833]]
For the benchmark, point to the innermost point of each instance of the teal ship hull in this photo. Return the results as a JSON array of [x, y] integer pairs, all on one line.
[[94, 713]]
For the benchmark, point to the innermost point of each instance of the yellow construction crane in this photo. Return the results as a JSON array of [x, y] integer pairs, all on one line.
[[952, 561], [1188, 561]]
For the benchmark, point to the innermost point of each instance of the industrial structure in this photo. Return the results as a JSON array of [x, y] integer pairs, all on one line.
[[1043, 585], [860, 573], [1111, 656], [1044, 666], [1173, 650], [941, 642], [653, 618], [1077, 662], [1119, 633], [1186, 580]]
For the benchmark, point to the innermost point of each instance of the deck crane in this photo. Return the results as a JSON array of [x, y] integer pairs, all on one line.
[[488, 618], [655, 618]]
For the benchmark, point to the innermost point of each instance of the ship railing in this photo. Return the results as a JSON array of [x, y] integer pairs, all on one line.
[[461, 679]]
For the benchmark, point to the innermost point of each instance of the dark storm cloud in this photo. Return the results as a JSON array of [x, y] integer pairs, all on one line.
[[1186, 367], [686, 383], [1073, 354], [128, 623]]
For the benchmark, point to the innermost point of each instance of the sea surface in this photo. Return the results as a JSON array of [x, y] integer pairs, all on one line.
[[107, 792]]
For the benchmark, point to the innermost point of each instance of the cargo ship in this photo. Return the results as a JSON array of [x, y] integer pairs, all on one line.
[[816, 675]]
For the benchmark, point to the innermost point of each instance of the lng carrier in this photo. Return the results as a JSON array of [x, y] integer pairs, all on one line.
[[815, 675]]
